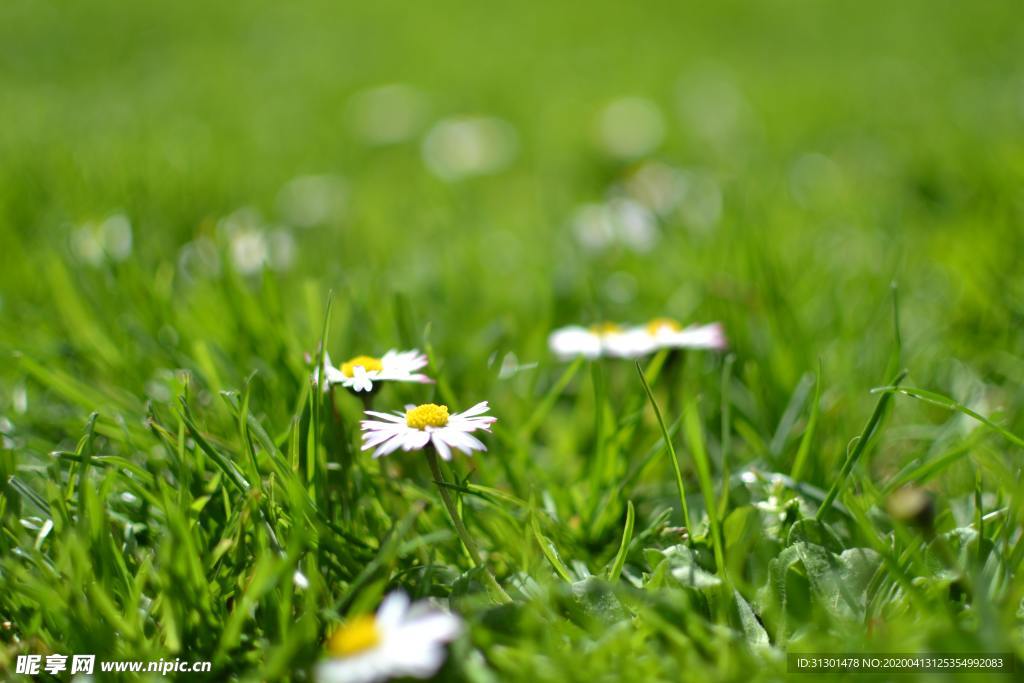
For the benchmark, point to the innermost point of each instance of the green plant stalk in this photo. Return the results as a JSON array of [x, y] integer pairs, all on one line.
[[671, 451], [858, 450], [474, 552]]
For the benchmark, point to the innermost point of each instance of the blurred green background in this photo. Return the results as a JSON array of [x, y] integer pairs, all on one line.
[[849, 144], [182, 184]]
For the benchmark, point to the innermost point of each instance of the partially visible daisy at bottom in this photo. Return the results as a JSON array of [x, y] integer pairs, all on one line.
[[359, 373], [401, 639], [427, 424]]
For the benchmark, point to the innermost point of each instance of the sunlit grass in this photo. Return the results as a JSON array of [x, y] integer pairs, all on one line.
[[197, 205]]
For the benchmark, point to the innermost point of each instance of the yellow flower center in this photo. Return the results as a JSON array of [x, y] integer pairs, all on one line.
[[427, 415], [659, 324], [357, 635], [605, 328], [368, 363]]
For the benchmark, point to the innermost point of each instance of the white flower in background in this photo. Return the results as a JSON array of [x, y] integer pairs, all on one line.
[[359, 373], [618, 221], [691, 195], [630, 127], [605, 339], [312, 200], [116, 236], [388, 114], [86, 245], [593, 227], [199, 259], [467, 146], [657, 186], [252, 244], [427, 424], [609, 339], [249, 250], [110, 238], [399, 640], [666, 333]]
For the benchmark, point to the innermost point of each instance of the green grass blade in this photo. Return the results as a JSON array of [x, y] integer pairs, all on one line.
[[858, 450], [627, 535], [671, 449]]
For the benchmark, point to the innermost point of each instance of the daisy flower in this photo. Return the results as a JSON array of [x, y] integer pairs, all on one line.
[[604, 339], [401, 639], [359, 373], [430, 424], [609, 339], [666, 333], [426, 424]]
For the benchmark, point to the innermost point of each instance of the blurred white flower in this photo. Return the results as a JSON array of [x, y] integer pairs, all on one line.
[[666, 333], [592, 227], [609, 339], [630, 127], [116, 235], [604, 339], [86, 244], [400, 640], [469, 146], [199, 259], [311, 200], [388, 114], [111, 238], [243, 219], [300, 580], [657, 186], [19, 398], [249, 250], [252, 244], [618, 221]]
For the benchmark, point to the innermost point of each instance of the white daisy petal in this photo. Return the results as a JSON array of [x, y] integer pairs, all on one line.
[[416, 662], [376, 438], [632, 343], [390, 446], [710, 336], [333, 375], [479, 409], [442, 448], [389, 417], [392, 610], [433, 625], [569, 342], [415, 439]]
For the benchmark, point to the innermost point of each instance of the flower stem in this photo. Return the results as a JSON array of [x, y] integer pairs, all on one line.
[[474, 552]]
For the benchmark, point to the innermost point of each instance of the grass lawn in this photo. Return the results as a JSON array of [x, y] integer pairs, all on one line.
[[199, 200]]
